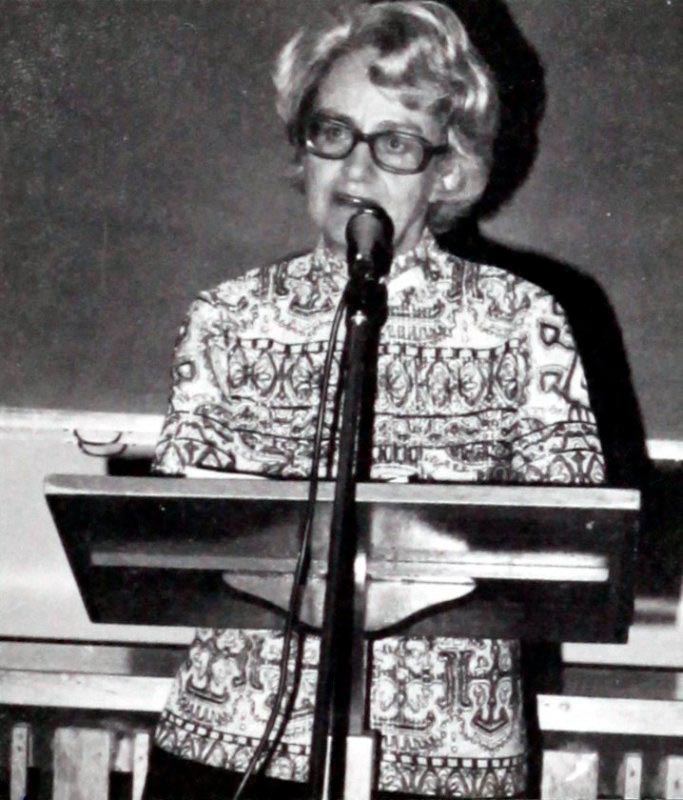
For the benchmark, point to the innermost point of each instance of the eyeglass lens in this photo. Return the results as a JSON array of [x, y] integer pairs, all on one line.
[[332, 138]]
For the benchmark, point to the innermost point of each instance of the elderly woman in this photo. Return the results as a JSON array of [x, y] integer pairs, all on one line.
[[478, 380]]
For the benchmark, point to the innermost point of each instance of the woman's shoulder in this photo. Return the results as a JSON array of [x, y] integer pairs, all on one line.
[[496, 292], [491, 277], [256, 281], [251, 288]]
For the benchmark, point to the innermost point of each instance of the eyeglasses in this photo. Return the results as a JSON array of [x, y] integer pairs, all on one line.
[[393, 151]]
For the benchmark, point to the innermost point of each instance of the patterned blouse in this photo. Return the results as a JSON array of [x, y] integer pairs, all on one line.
[[478, 380]]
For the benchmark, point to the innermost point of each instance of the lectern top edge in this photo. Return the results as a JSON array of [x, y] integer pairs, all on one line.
[[399, 493]]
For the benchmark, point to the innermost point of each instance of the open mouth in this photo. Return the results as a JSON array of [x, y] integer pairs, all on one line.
[[354, 201]]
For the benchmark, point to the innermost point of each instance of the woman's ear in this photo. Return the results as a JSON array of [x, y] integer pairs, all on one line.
[[447, 181]]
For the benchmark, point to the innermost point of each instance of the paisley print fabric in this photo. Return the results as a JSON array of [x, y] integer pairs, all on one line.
[[478, 380]]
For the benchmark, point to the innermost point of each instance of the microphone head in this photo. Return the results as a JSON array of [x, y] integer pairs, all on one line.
[[369, 240]]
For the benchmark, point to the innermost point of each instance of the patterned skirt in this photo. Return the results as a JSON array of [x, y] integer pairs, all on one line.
[[448, 711]]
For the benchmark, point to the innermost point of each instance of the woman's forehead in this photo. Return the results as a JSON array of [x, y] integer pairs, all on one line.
[[348, 89]]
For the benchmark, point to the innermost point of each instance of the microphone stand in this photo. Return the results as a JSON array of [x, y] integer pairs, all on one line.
[[341, 690]]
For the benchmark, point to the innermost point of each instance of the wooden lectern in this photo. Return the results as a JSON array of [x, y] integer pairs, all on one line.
[[541, 563], [536, 563]]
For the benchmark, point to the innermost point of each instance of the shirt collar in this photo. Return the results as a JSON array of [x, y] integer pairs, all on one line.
[[419, 256]]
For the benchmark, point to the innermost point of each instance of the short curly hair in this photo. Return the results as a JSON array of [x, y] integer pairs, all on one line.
[[422, 49]]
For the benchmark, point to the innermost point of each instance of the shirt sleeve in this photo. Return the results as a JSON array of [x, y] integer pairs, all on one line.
[[196, 430], [556, 437]]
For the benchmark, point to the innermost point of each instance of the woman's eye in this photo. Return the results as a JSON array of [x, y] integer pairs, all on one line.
[[395, 143], [332, 132]]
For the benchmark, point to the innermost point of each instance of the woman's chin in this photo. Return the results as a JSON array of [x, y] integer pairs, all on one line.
[[335, 246], [335, 228]]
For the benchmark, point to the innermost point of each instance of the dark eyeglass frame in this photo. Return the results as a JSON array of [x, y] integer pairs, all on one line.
[[428, 148]]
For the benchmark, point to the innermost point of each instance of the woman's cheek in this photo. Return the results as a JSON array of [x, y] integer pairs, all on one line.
[[317, 185]]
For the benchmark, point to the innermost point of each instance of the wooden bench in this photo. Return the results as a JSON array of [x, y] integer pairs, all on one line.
[[570, 775], [84, 757]]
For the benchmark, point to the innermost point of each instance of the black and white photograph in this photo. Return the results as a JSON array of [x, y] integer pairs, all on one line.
[[340, 419]]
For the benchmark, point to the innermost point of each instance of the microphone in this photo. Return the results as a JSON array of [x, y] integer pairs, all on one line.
[[369, 243]]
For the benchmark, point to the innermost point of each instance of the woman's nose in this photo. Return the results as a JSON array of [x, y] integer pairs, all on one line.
[[359, 164]]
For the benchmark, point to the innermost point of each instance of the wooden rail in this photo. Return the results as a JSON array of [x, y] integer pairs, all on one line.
[[83, 758]]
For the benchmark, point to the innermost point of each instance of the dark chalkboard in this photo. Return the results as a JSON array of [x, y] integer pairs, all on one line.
[[142, 161]]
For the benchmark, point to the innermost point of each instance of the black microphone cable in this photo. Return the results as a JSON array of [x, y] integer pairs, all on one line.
[[303, 560]]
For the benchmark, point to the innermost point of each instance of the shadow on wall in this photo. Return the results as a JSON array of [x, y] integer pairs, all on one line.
[[521, 92], [521, 85], [520, 78]]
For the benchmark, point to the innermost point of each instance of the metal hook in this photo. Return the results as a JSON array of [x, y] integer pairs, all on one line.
[[89, 447]]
